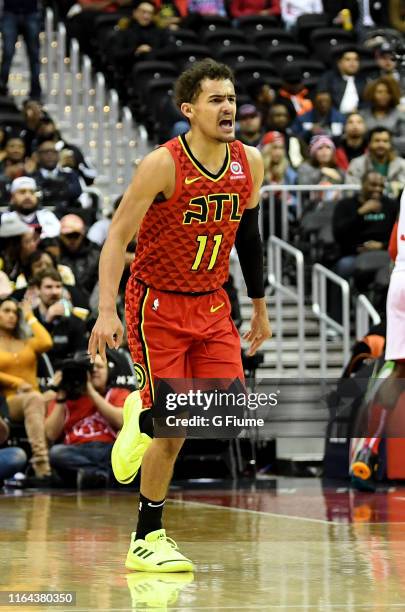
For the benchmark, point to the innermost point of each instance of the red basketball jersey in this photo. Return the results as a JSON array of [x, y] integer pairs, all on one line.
[[184, 243]]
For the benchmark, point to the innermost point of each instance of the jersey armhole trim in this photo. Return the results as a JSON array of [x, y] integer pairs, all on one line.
[[245, 163], [178, 173]]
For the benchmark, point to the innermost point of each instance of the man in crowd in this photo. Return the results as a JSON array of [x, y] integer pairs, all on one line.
[[68, 331], [60, 186], [292, 9], [363, 222], [382, 158], [250, 125], [21, 17], [353, 142], [324, 118], [88, 424], [280, 119], [24, 201], [293, 89], [344, 82], [77, 252]]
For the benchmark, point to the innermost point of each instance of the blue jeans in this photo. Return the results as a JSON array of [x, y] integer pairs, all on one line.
[[29, 25], [67, 459], [12, 460]]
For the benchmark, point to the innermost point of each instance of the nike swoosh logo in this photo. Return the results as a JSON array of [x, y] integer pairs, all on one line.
[[215, 308], [189, 180]]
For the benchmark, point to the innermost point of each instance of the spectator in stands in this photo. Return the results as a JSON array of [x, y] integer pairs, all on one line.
[[15, 162], [207, 7], [60, 186], [18, 368], [324, 118], [344, 82], [363, 222], [81, 18], [243, 8], [77, 252], [141, 38], [292, 9], [353, 142], [12, 458], [17, 242], [294, 89], [70, 155], [277, 169], [89, 426], [383, 96], [21, 17], [68, 332], [250, 125], [33, 113], [381, 157], [322, 168], [262, 96], [24, 201], [280, 119], [388, 65]]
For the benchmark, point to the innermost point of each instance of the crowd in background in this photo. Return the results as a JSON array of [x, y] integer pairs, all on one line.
[[349, 128]]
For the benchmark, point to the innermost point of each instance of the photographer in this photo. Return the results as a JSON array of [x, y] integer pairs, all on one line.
[[87, 413]]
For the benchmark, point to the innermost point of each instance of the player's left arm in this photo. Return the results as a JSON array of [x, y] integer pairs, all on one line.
[[249, 247]]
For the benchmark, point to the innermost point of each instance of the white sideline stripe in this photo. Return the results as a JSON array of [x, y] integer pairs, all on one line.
[[259, 512]]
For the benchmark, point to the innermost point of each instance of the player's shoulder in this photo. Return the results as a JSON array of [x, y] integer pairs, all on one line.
[[255, 162], [159, 159]]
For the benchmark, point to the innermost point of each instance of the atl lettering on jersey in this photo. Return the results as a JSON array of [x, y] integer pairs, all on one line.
[[184, 243]]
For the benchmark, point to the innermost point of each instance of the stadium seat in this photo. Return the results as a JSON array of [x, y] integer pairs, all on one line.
[[188, 54], [272, 37], [286, 54], [252, 24], [325, 40], [307, 23], [184, 37], [311, 71], [145, 72], [224, 38], [238, 54], [251, 70], [210, 23], [155, 91]]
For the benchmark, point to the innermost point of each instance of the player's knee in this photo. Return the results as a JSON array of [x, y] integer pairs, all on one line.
[[170, 446]]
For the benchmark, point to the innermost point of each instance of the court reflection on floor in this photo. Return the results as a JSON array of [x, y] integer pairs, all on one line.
[[245, 560]]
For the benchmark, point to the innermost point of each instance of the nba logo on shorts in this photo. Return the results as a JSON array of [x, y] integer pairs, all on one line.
[[236, 170]]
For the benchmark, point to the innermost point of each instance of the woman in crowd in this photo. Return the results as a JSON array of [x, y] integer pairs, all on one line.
[[321, 168], [15, 162], [17, 242], [18, 380], [383, 97]]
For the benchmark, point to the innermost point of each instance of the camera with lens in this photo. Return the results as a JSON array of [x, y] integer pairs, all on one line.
[[74, 376]]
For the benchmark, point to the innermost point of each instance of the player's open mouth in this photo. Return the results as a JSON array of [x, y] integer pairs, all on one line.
[[226, 125]]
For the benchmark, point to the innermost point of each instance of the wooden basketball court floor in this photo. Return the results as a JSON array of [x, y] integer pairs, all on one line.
[[285, 545]]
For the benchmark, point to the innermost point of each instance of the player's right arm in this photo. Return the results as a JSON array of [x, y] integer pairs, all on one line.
[[156, 174]]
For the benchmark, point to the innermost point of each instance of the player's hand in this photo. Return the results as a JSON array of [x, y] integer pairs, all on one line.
[[260, 330], [108, 331], [370, 206]]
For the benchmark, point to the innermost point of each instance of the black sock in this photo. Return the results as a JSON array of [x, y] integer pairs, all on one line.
[[146, 422], [149, 517]]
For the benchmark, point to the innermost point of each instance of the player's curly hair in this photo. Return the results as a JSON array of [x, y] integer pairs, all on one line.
[[188, 85]]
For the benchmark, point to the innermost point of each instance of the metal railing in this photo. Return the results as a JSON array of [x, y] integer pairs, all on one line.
[[268, 198], [320, 276], [366, 314], [88, 113], [275, 251]]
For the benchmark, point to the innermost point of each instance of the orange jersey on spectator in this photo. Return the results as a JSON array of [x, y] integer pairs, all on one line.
[[184, 243]]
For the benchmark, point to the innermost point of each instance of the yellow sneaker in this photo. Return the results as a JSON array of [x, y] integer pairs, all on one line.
[[156, 553], [156, 590], [130, 445]]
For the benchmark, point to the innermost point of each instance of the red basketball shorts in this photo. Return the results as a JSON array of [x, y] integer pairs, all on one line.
[[175, 336]]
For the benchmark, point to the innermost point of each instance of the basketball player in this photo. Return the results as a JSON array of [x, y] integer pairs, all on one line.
[[392, 387], [191, 200]]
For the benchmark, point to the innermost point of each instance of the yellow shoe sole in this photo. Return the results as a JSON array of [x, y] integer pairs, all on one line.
[[167, 567], [130, 445], [361, 470]]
